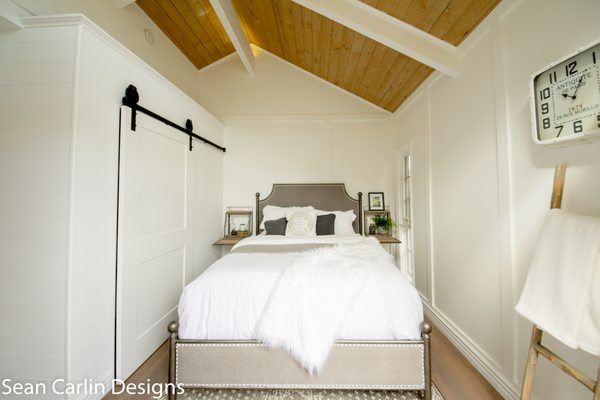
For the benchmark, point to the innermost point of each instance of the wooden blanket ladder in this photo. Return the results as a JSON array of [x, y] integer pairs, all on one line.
[[536, 348]]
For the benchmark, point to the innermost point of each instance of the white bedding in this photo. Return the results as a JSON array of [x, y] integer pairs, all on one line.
[[227, 300]]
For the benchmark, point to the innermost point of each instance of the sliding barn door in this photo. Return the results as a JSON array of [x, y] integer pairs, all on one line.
[[153, 236]]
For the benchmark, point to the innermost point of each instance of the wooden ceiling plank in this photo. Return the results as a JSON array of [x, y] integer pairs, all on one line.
[[412, 83], [468, 21], [362, 64], [212, 25], [391, 78], [387, 6], [226, 13], [357, 45], [283, 15], [274, 28], [409, 69], [422, 15], [246, 21], [192, 22], [204, 47], [182, 26], [158, 15], [335, 50], [326, 36], [389, 31], [298, 35], [448, 18], [375, 89], [379, 63], [316, 42], [432, 14], [253, 23], [307, 38], [347, 40], [263, 29], [398, 8], [415, 13]]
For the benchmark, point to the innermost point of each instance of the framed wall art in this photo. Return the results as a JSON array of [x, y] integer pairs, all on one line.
[[376, 202]]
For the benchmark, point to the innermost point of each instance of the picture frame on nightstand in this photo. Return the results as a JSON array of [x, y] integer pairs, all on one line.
[[376, 201]]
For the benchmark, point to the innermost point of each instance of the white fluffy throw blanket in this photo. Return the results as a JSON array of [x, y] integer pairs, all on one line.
[[313, 296]]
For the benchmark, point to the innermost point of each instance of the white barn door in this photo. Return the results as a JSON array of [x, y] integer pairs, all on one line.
[[153, 236]]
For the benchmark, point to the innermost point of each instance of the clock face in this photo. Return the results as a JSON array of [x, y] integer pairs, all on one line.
[[567, 98]]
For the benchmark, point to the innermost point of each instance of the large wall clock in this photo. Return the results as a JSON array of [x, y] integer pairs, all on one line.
[[565, 98]]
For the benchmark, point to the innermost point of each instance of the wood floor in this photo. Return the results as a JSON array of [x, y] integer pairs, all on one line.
[[453, 375]]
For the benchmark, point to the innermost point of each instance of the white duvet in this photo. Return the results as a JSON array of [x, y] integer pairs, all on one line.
[[228, 299]]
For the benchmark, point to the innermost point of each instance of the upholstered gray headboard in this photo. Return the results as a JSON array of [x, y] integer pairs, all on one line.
[[322, 196]]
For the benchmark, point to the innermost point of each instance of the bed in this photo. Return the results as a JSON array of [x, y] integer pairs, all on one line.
[[215, 345]]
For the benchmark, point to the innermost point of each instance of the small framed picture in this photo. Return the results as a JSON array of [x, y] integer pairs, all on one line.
[[376, 202]]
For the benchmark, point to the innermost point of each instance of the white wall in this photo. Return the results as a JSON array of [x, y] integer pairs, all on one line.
[[286, 125], [36, 86], [484, 187], [261, 152], [127, 25], [59, 131], [277, 88]]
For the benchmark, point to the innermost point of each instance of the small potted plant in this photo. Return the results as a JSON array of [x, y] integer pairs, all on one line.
[[384, 224]]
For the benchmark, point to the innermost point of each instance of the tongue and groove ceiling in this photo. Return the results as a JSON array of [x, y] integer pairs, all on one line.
[[367, 68]]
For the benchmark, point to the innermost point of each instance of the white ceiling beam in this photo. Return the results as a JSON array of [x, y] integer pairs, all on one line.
[[122, 3], [231, 23], [10, 15], [388, 31]]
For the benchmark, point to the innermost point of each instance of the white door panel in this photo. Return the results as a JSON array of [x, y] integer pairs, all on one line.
[[153, 236]]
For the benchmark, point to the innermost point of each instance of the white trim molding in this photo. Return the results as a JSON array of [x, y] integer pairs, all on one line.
[[490, 370]]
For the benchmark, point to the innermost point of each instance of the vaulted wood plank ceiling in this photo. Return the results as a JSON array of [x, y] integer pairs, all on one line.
[[319, 45]]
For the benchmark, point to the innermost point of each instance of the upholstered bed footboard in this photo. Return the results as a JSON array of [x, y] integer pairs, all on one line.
[[374, 365]]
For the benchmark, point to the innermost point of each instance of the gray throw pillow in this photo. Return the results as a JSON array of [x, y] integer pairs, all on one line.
[[326, 224], [276, 226]]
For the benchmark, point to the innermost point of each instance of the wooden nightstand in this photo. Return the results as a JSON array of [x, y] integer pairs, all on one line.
[[383, 238], [230, 240], [386, 239]]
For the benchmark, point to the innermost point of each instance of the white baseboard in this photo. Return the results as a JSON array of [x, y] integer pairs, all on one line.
[[478, 358], [107, 383]]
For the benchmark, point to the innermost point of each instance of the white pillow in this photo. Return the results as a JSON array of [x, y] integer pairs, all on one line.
[[275, 212], [302, 223], [343, 221]]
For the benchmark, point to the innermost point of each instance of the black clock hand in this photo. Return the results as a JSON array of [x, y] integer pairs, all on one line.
[[577, 88]]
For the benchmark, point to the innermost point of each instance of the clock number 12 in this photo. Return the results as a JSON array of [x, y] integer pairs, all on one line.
[[570, 68]]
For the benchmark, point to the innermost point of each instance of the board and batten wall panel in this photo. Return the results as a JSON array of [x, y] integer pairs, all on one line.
[[62, 81], [105, 70], [464, 193], [311, 149], [488, 188], [532, 166], [36, 86]]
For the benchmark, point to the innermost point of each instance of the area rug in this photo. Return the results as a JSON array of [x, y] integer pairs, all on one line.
[[297, 394]]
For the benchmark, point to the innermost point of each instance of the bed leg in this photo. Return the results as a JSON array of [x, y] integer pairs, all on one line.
[[425, 335], [173, 329]]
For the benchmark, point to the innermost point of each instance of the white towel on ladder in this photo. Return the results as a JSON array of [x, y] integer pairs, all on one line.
[[562, 291]]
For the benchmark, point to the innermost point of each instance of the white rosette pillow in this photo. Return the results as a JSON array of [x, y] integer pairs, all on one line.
[[302, 223]]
